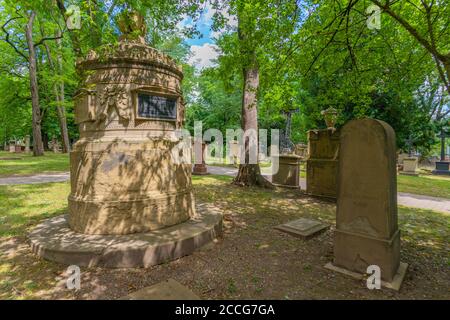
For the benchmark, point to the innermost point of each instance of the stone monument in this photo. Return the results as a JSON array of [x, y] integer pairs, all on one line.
[[27, 143], [288, 174], [12, 146], [442, 166], [322, 161], [410, 166], [131, 201], [234, 152], [366, 220], [301, 150], [200, 165], [410, 163]]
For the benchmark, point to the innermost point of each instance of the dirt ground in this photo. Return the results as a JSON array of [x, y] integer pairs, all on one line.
[[251, 260]]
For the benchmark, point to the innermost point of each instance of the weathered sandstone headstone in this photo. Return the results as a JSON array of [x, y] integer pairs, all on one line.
[[366, 221], [322, 161]]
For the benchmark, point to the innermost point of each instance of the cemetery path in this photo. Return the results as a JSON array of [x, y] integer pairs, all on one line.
[[404, 199], [34, 179], [423, 202]]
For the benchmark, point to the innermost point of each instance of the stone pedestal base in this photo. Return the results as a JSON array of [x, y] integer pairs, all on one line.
[[442, 168], [54, 240], [200, 170], [355, 252], [395, 284], [410, 166], [288, 174]]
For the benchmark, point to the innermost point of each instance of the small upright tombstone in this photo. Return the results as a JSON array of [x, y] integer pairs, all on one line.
[[12, 146], [200, 164], [27, 143], [366, 222]]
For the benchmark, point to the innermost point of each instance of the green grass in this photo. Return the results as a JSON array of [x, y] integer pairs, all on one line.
[[435, 186], [50, 162], [22, 206]]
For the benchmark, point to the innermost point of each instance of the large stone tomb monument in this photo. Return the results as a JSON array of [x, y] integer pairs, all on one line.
[[366, 221], [322, 161], [127, 173]]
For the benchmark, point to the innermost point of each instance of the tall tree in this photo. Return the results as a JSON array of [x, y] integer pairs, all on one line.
[[263, 30], [38, 147]]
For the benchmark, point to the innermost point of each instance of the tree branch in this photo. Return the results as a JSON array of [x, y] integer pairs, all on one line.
[[7, 40]]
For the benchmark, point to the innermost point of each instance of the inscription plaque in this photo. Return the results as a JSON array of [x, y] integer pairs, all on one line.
[[156, 107]]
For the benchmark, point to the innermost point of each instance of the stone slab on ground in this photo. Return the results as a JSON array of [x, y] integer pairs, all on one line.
[[54, 240], [395, 284], [166, 290], [303, 228], [405, 173]]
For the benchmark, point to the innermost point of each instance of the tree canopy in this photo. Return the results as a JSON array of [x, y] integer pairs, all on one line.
[[309, 55]]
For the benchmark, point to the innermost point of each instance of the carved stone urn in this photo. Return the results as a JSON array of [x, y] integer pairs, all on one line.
[[124, 178], [132, 26], [330, 117]]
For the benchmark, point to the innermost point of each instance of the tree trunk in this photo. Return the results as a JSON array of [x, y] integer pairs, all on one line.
[[249, 174], [38, 148], [61, 110]]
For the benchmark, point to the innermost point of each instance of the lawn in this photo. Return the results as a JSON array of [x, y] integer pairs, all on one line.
[[26, 164], [251, 260], [435, 186]]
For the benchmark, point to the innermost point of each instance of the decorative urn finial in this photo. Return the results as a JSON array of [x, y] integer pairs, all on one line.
[[132, 26], [330, 116]]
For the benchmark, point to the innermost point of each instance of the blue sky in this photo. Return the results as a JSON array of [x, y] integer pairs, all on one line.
[[203, 49]]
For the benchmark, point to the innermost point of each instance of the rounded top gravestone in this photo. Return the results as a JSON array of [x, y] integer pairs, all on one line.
[[366, 219]]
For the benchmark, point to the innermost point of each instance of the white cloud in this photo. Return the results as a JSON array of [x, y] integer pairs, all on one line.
[[203, 55]]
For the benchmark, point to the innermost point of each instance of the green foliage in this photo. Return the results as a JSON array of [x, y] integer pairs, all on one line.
[[310, 54]]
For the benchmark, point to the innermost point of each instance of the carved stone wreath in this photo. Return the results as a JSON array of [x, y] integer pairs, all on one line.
[[117, 97]]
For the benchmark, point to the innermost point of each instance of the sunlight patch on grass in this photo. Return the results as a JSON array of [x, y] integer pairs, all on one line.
[[22, 206], [425, 185], [50, 162]]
